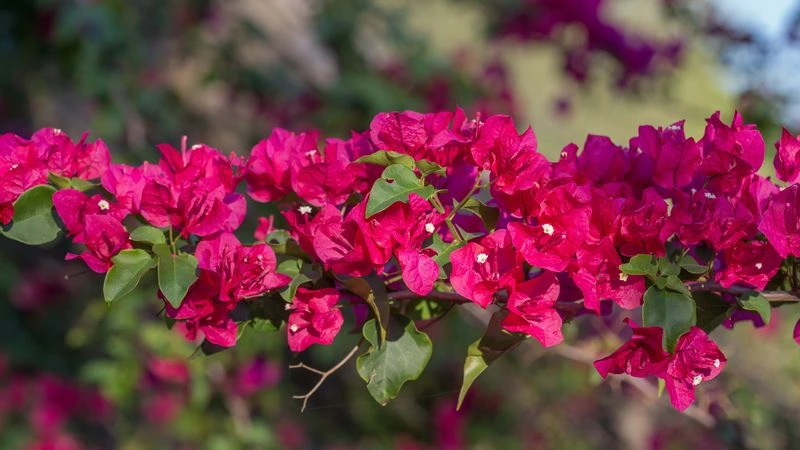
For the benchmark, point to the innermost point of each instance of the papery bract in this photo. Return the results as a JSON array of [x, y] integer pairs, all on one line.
[[314, 318], [641, 356], [482, 269], [696, 359], [531, 309]]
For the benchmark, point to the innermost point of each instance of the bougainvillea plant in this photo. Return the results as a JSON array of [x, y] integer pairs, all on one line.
[[435, 208]]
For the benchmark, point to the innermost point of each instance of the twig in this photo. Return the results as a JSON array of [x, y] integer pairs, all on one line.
[[323, 375], [773, 296]]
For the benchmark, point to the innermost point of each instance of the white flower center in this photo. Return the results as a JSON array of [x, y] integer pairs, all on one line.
[[697, 380], [563, 154], [311, 153], [195, 147], [103, 205], [759, 266], [305, 209], [14, 166], [716, 363], [294, 328], [711, 196], [481, 258], [430, 228], [548, 229], [287, 306], [57, 131], [623, 277], [638, 151]]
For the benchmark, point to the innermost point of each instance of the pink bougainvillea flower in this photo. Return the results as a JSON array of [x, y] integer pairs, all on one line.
[[481, 269], [126, 183], [6, 213], [68, 159], [531, 309], [330, 177], [787, 163], [696, 359], [601, 160], [269, 167], [22, 166], [314, 318], [343, 246], [549, 245], [264, 228], [796, 332], [244, 271], [402, 132], [751, 263], [641, 356], [780, 222], [74, 206], [104, 238], [642, 225], [674, 158], [599, 277], [201, 312], [730, 152], [512, 159], [419, 270]]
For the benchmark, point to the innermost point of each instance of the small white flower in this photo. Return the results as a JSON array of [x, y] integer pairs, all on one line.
[[548, 229], [305, 209], [103, 205], [639, 151], [14, 166], [311, 153], [195, 147], [716, 363], [711, 196], [759, 266], [287, 306], [429, 227], [563, 154], [481, 258], [57, 131], [697, 379], [694, 191], [294, 328], [674, 128], [623, 277]]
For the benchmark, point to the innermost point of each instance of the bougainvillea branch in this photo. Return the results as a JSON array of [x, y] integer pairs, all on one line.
[[391, 229], [323, 375]]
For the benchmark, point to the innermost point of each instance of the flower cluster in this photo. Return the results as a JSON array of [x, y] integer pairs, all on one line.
[[444, 207]]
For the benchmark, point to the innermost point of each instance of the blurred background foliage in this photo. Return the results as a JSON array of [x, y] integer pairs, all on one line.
[[77, 374]]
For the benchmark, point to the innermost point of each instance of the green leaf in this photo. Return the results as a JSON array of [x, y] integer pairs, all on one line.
[[127, 270], [34, 222], [443, 252], [402, 357], [70, 183], [403, 182], [387, 158], [148, 234], [674, 283], [712, 310], [754, 301], [667, 268], [373, 291], [672, 311], [427, 167], [689, 264], [640, 265], [176, 273], [490, 215], [480, 354]]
